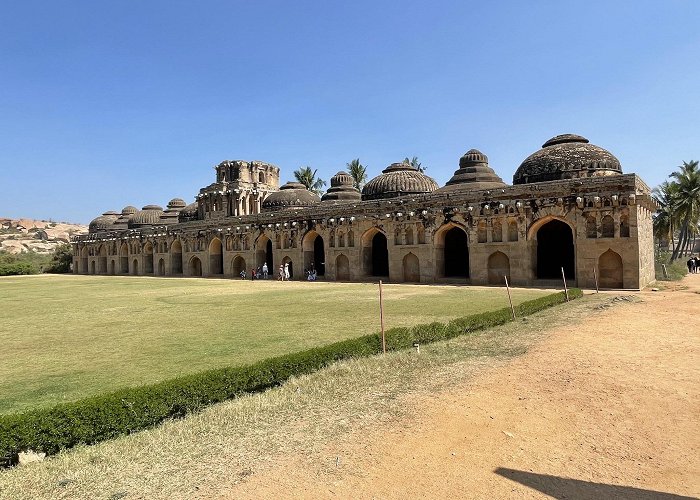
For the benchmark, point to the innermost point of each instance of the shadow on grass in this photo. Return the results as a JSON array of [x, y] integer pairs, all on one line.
[[565, 488]]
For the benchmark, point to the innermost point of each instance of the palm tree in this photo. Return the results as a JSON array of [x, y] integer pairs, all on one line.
[[414, 163], [687, 204], [664, 220], [308, 178], [358, 172]]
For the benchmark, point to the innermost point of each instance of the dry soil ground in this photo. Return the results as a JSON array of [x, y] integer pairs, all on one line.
[[607, 410]]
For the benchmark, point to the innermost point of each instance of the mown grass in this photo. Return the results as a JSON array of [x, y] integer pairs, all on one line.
[[206, 454], [67, 337]]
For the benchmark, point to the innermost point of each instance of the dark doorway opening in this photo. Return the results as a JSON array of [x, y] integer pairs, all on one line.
[[456, 254], [319, 257], [268, 256], [555, 249], [380, 256]]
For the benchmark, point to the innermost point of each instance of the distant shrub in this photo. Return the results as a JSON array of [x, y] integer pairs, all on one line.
[[61, 260], [17, 268], [106, 416]]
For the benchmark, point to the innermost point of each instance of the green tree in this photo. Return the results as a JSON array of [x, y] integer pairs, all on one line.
[[414, 163], [358, 172], [61, 259], [684, 205], [308, 178]]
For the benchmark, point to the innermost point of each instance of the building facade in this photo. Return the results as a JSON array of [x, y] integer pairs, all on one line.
[[570, 210]]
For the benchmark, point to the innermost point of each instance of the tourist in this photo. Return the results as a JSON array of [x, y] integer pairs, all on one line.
[[242, 275], [252, 274], [265, 271], [697, 264], [286, 271], [691, 264], [281, 275]]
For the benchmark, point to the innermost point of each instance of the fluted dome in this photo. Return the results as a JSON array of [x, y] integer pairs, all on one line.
[[147, 216], [473, 173], [176, 204], [189, 212], [171, 215], [567, 156], [342, 188], [129, 210], [104, 222], [398, 179], [291, 195]]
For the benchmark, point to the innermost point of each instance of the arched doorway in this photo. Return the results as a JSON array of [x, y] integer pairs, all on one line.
[[555, 249], [92, 267], [148, 259], [216, 257], [176, 257], [263, 252], [84, 260], [290, 266], [237, 265], [375, 253], [314, 253], [135, 267], [498, 267], [124, 259], [610, 270], [161, 267], [195, 267], [342, 268], [411, 268], [112, 267], [102, 260], [453, 247]]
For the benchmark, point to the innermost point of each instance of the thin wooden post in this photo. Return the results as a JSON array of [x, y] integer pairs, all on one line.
[[595, 275], [566, 290], [663, 266], [381, 317], [510, 299]]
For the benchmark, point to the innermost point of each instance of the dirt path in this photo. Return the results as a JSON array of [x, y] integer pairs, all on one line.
[[607, 410]]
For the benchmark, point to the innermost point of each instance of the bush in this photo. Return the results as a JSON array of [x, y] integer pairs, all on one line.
[[106, 416], [17, 268], [61, 260]]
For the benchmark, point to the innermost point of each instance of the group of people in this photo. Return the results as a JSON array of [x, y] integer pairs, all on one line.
[[263, 273], [694, 264]]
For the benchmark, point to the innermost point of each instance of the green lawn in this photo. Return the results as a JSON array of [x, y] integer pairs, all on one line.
[[65, 337]]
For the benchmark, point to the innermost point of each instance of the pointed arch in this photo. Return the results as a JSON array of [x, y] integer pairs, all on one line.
[[176, 257], [513, 230], [411, 268], [452, 251], [342, 268], [124, 259], [498, 267], [375, 252], [263, 252], [161, 267], [216, 257], [195, 267], [610, 268], [237, 265], [102, 260], [555, 249], [607, 227], [312, 245], [148, 258]]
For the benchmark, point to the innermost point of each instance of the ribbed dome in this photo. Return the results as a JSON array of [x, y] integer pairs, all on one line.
[[473, 173], [147, 216], [398, 179], [104, 222], [129, 210], [567, 156], [291, 195], [342, 188], [177, 204]]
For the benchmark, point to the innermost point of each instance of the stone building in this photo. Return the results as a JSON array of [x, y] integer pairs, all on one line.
[[570, 207]]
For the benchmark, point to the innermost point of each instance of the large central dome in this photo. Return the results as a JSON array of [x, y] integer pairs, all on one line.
[[398, 179], [567, 156]]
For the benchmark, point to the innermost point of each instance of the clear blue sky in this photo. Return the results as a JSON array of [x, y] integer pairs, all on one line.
[[104, 104]]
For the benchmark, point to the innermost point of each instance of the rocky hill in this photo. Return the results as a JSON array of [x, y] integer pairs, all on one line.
[[27, 235]]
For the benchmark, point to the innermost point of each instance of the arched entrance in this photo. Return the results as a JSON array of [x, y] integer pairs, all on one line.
[[237, 265], [610, 270], [124, 259], [452, 247], [314, 253], [375, 253], [498, 267], [112, 267], [195, 267], [263, 252], [135, 267], [342, 268], [176, 257], [411, 268], [92, 267], [84, 260], [102, 260], [161, 267], [216, 257], [290, 266], [555, 249], [148, 259]]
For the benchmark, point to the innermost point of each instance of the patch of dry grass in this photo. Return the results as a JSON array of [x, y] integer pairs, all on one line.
[[206, 453]]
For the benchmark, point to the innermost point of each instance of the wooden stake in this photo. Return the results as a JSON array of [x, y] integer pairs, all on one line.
[[566, 290], [663, 266], [595, 275], [510, 299], [381, 317]]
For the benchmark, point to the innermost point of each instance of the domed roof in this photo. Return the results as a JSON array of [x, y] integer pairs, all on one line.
[[398, 179], [104, 222], [177, 204], [342, 188], [129, 210], [473, 173], [566, 156], [147, 216], [291, 195]]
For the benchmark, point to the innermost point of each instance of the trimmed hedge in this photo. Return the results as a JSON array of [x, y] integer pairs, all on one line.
[[102, 417]]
